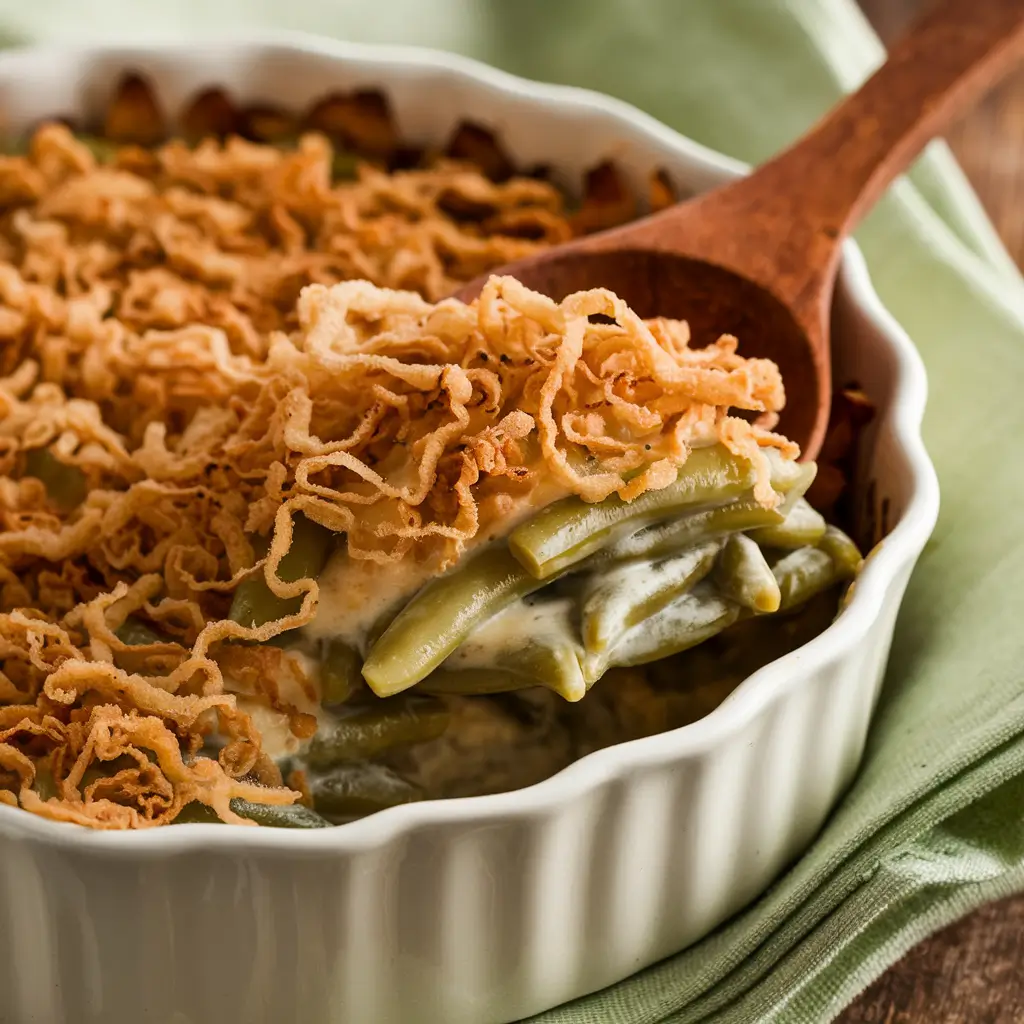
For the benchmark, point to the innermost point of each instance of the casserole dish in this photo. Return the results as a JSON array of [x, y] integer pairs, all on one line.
[[491, 908]]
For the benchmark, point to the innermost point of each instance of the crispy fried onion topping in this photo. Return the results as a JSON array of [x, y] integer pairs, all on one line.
[[166, 406]]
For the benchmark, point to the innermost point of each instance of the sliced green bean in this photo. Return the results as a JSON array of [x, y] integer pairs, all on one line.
[[354, 790], [362, 732], [441, 615], [743, 575], [340, 677], [802, 526], [803, 573], [674, 536], [136, 633], [570, 530], [523, 646], [686, 622], [255, 604], [66, 485], [618, 599], [268, 815]]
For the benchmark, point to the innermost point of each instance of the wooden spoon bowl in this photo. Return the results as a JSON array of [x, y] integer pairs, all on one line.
[[758, 258]]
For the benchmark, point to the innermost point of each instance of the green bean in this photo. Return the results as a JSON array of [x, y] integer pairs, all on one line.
[[524, 646], [842, 551], [286, 641], [280, 137], [441, 615], [346, 577], [801, 526], [354, 790], [673, 536], [197, 813], [752, 642], [570, 530], [99, 770], [616, 600], [255, 604], [803, 573], [103, 150], [551, 663], [686, 622], [66, 485], [743, 575], [268, 815], [340, 677], [279, 815], [137, 633], [362, 732], [791, 479], [475, 682], [344, 166], [17, 146], [44, 783], [380, 625]]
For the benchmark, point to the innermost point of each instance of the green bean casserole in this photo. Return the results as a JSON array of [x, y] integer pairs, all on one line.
[[289, 537]]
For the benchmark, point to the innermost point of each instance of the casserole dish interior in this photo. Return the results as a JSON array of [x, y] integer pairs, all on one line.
[[414, 888]]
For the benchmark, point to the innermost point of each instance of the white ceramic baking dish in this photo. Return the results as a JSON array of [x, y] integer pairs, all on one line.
[[480, 910]]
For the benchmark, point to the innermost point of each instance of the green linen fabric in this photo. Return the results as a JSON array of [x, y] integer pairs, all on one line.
[[934, 824]]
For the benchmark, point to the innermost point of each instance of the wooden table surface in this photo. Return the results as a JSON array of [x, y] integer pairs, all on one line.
[[973, 972]]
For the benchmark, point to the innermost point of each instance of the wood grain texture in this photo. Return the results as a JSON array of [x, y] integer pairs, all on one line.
[[973, 971], [988, 142], [970, 973], [758, 256]]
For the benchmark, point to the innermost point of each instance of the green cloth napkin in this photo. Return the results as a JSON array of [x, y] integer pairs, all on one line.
[[934, 824]]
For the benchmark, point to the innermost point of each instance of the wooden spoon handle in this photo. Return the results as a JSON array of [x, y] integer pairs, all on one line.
[[952, 56], [791, 214]]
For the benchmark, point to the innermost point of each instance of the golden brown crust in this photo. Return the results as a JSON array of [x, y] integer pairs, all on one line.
[[172, 335]]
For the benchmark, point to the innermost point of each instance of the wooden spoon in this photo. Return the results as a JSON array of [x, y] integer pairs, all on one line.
[[758, 258]]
